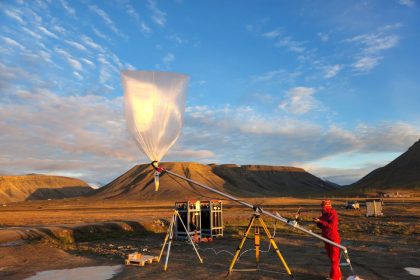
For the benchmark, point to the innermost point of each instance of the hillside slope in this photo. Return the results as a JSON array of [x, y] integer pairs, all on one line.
[[39, 187], [241, 181], [402, 174]]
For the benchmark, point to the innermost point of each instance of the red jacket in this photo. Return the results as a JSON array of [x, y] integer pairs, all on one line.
[[328, 222]]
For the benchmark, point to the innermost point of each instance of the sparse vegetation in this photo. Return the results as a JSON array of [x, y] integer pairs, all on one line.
[[107, 231]]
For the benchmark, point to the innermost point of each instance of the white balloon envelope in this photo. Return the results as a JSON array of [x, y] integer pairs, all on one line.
[[154, 109]]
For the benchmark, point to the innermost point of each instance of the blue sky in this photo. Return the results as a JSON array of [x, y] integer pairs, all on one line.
[[330, 86]]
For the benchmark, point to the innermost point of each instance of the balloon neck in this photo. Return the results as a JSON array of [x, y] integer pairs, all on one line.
[[155, 165], [157, 180], [158, 171]]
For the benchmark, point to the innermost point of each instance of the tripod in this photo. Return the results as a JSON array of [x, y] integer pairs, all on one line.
[[257, 217], [170, 237]]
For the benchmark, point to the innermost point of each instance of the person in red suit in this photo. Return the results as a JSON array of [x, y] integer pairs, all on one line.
[[328, 222]]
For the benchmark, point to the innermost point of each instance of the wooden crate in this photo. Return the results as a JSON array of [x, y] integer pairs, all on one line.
[[140, 260]]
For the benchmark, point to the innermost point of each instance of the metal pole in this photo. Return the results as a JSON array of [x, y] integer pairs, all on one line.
[[166, 238], [171, 238], [189, 237], [279, 218], [273, 243], [238, 250]]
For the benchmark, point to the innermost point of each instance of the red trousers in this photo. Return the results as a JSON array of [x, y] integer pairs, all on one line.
[[334, 255]]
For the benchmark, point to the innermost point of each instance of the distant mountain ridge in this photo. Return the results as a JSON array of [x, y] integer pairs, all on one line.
[[40, 187], [402, 174], [242, 181]]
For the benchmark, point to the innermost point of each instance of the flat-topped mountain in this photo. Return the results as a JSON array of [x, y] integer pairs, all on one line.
[[40, 187], [241, 181]]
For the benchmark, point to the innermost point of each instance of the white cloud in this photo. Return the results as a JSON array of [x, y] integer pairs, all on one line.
[[263, 97], [46, 56], [32, 33], [168, 59], [106, 18], [61, 30], [290, 44], [71, 11], [128, 66], [272, 34], [177, 39], [234, 120], [362, 149], [257, 26], [341, 176], [14, 14], [158, 16], [77, 75], [11, 74], [109, 69], [145, 28], [332, 70], [408, 3], [276, 76], [70, 59], [88, 62], [323, 37], [367, 63], [390, 27], [131, 11], [100, 34], [299, 100], [75, 63], [89, 42], [76, 45], [13, 43], [47, 32], [274, 139], [86, 135], [188, 153], [116, 60], [372, 45], [70, 133], [104, 75]]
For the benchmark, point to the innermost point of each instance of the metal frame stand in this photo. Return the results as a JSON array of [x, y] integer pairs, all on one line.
[[257, 217], [169, 239]]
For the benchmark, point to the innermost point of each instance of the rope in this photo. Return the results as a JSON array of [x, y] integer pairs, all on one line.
[[347, 263], [230, 253], [258, 269], [192, 189], [216, 252], [269, 244]]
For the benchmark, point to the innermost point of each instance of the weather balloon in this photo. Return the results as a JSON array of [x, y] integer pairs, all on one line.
[[154, 109]]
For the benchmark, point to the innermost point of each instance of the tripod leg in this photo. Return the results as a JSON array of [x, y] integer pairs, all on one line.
[[238, 250], [257, 246], [166, 238], [273, 243], [189, 237], [171, 237]]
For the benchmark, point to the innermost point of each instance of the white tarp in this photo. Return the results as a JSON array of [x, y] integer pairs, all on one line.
[[154, 109]]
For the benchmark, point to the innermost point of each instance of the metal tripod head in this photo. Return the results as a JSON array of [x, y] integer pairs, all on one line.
[[257, 210]]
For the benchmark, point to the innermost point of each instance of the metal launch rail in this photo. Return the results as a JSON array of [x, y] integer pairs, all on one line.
[[291, 223]]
